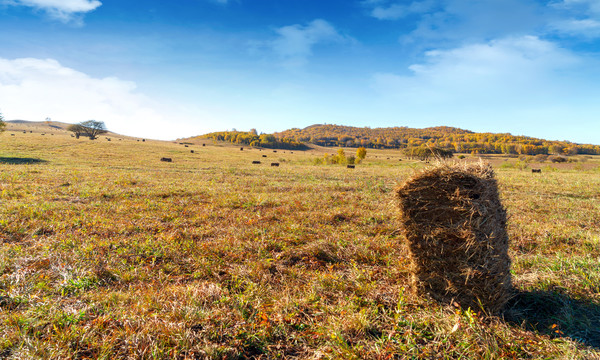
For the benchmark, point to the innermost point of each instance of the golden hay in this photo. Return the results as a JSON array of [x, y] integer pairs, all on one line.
[[455, 225]]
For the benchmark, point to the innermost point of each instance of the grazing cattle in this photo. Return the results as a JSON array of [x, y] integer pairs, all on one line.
[[166, 159], [241, 149], [192, 151], [186, 146], [24, 132], [274, 150], [203, 144], [256, 162], [12, 134], [536, 170], [350, 166], [43, 134], [264, 155], [274, 164]]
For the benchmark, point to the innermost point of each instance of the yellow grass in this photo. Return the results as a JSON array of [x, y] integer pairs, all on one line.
[[108, 252]]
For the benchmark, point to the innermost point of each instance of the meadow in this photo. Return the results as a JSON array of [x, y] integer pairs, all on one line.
[[107, 252]]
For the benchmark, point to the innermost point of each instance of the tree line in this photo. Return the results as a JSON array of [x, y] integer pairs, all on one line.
[[442, 137], [251, 138]]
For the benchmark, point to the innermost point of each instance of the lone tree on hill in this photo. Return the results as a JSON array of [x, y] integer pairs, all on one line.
[[90, 128]]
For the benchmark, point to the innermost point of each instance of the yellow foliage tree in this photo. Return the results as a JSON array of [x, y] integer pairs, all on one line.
[[361, 153]]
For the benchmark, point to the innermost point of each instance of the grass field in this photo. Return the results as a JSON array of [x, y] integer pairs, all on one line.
[[106, 252]]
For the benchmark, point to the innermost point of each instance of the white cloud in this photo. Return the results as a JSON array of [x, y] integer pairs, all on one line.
[[64, 10], [32, 89], [398, 10], [519, 69], [523, 79], [591, 7], [295, 43], [454, 22], [580, 18], [587, 28]]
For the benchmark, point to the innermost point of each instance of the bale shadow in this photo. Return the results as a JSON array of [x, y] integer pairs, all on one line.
[[20, 161], [557, 315]]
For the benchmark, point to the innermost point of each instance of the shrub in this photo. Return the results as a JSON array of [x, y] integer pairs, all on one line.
[[557, 159]]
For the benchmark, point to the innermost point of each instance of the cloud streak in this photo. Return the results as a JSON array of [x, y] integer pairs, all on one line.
[[64, 10], [396, 11], [294, 44]]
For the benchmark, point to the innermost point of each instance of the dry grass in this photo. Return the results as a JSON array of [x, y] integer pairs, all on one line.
[[109, 253]]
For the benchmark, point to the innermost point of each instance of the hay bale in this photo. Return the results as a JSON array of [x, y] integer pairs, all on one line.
[[455, 226]]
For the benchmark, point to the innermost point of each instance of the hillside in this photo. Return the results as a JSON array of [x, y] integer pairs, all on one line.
[[47, 127], [449, 138]]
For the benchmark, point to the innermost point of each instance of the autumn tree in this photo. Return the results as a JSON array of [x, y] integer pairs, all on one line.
[[341, 156], [361, 153]]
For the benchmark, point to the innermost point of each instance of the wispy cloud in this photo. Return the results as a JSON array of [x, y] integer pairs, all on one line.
[[64, 10], [455, 22], [581, 18], [519, 68], [294, 44], [384, 10]]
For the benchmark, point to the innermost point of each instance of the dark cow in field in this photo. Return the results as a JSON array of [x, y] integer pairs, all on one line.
[[256, 162], [166, 159], [274, 164], [536, 170]]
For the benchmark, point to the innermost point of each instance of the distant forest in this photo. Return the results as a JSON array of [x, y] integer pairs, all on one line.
[[447, 138], [251, 138]]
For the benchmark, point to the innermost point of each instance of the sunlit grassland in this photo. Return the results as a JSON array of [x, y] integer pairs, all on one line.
[[106, 252]]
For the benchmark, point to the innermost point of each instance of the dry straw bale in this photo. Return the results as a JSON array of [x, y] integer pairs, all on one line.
[[455, 225]]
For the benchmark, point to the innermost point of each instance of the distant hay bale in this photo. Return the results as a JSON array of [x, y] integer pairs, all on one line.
[[455, 225]]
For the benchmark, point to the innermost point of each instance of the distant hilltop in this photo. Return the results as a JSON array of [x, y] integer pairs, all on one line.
[[443, 137]]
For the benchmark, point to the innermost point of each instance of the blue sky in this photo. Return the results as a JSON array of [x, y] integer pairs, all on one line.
[[166, 70]]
